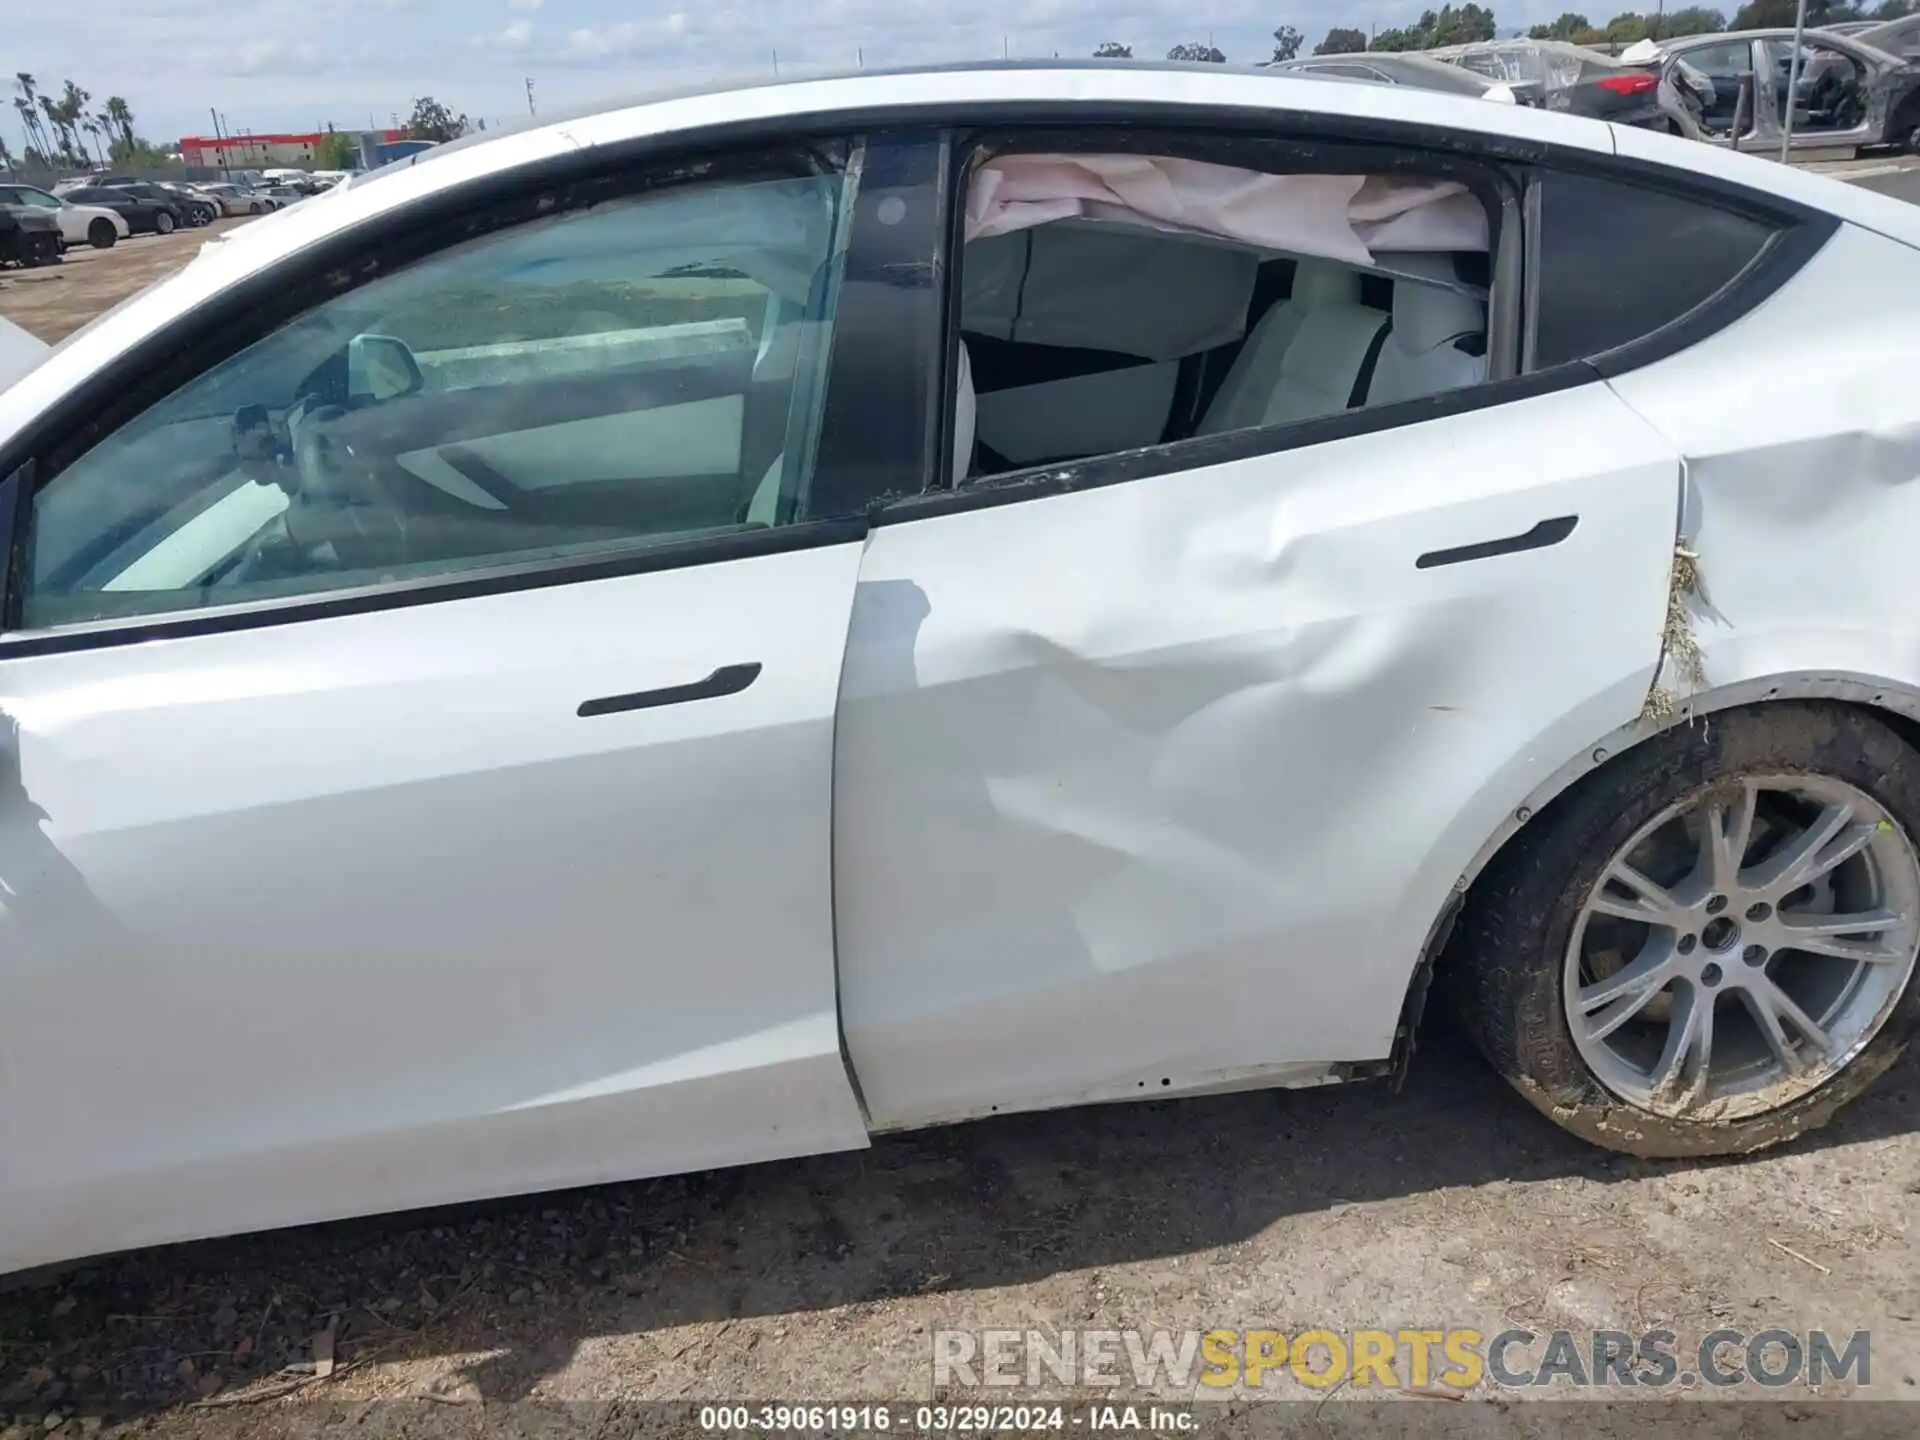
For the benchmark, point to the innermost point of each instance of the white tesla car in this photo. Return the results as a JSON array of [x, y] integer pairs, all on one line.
[[714, 629]]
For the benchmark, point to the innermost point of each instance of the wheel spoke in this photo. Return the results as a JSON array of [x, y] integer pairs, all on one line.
[[1829, 842], [1650, 904], [1679, 1076], [1725, 836], [1623, 995], [1828, 935], [1770, 1006]]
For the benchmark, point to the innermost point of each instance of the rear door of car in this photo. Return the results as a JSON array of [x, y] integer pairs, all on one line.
[[1156, 769], [423, 790]]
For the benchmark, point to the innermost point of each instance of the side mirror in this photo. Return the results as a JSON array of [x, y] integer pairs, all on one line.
[[379, 367]]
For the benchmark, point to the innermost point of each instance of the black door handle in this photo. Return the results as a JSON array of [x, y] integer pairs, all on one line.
[[1547, 532], [727, 680]]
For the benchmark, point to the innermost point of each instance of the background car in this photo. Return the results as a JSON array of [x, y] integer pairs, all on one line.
[[1900, 38], [1005, 594], [237, 199], [94, 225], [144, 214], [188, 208], [1554, 75], [1404, 68], [28, 237], [1849, 95]]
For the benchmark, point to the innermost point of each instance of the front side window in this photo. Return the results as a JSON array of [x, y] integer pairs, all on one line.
[[638, 372]]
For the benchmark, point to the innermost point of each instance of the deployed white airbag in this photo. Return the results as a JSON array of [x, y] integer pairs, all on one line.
[[1339, 217]]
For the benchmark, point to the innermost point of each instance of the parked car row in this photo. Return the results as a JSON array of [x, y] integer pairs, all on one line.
[[1854, 87], [105, 210]]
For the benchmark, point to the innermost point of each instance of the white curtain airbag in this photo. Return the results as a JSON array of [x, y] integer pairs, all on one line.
[[1339, 217]]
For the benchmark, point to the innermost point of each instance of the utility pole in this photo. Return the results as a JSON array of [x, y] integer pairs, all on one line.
[[776, 60], [530, 109], [1006, 49], [860, 56]]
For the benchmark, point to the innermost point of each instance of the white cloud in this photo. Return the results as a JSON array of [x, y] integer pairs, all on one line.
[[517, 36], [524, 4]]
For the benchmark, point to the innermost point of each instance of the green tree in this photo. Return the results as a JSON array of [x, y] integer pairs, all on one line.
[[1286, 43], [433, 121], [1113, 50], [120, 116], [1406, 38], [1566, 27], [1777, 14], [27, 102], [1625, 28], [1694, 20], [1206, 54], [1451, 25], [1890, 9], [336, 152], [1342, 40]]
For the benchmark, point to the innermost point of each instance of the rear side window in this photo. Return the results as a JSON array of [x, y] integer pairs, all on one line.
[[1618, 262]]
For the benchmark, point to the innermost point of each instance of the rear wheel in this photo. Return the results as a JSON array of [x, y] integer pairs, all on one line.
[[101, 234], [163, 223], [1709, 946]]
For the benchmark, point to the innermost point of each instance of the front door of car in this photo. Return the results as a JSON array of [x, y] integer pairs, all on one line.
[[417, 766], [1156, 767]]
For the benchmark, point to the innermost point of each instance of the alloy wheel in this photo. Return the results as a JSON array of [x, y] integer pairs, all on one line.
[[1743, 947]]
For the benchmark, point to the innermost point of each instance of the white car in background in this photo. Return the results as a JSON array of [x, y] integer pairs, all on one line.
[[93, 225], [714, 629]]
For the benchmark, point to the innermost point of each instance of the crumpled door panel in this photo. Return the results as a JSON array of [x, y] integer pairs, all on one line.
[[1160, 786]]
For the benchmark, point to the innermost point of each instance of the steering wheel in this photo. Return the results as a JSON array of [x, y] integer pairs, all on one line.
[[340, 499]]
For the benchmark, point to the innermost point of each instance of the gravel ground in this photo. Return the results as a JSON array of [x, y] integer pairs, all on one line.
[[1449, 1203]]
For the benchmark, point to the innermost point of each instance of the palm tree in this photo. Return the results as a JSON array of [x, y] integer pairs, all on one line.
[[29, 114], [57, 127], [73, 113], [120, 116], [6, 156]]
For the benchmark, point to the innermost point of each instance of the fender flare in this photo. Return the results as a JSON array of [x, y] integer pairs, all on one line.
[[1895, 699]]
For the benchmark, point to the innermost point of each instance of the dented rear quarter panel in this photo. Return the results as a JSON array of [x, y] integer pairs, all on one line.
[[1800, 430], [1159, 786]]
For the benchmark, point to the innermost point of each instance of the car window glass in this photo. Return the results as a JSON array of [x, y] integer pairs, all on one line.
[[643, 371], [1617, 262], [1087, 336]]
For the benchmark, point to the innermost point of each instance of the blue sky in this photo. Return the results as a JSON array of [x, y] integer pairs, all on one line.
[[293, 64]]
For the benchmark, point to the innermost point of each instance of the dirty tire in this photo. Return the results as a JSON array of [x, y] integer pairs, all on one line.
[[1504, 975], [101, 235], [163, 224]]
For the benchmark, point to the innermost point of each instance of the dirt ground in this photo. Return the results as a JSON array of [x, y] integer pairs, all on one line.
[[1448, 1204], [55, 300]]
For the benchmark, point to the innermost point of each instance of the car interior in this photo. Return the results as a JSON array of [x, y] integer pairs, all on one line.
[[1098, 334]]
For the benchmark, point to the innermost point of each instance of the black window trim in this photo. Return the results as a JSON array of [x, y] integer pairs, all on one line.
[[219, 329], [1799, 233]]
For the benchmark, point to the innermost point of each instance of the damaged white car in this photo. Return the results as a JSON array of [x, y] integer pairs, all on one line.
[[718, 628]]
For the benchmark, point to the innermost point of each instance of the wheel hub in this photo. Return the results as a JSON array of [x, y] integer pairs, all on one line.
[[1743, 947]]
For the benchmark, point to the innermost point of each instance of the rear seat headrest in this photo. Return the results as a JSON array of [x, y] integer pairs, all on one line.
[[1425, 315], [1321, 282]]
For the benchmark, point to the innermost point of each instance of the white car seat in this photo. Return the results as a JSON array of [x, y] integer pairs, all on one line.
[[1439, 337], [1303, 357]]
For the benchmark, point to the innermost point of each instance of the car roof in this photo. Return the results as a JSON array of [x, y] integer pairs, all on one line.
[[1088, 91]]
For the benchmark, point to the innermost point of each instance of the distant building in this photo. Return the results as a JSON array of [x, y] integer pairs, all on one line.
[[223, 152]]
